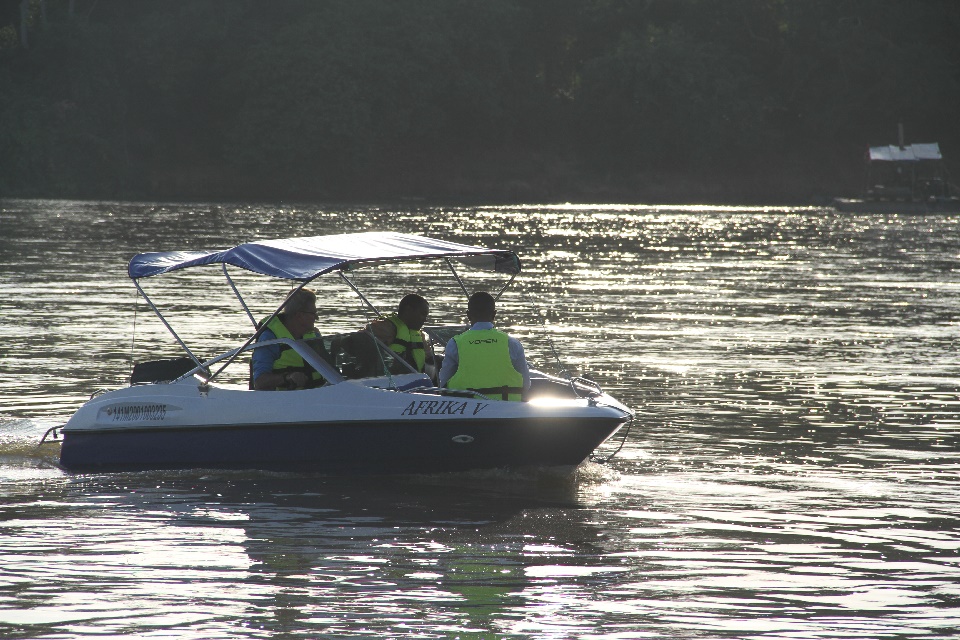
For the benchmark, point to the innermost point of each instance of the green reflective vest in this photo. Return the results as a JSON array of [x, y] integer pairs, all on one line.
[[289, 360], [408, 344], [484, 365]]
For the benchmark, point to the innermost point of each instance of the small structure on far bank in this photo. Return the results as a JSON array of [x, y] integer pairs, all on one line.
[[904, 178]]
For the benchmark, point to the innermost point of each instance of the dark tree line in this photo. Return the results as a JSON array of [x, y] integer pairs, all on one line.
[[650, 100]]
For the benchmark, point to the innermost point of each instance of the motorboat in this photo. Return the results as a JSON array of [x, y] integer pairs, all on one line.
[[373, 413]]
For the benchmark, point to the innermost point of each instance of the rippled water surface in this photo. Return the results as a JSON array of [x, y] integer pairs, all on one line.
[[792, 471]]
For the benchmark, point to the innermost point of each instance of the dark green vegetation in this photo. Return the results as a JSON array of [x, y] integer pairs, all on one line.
[[589, 100]]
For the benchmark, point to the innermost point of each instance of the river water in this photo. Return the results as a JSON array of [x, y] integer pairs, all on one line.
[[792, 471]]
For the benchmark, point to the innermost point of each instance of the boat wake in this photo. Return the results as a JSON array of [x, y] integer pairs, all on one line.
[[20, 454], [594, 473]]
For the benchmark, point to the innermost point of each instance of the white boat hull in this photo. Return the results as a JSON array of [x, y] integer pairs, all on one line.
[[352, 427]]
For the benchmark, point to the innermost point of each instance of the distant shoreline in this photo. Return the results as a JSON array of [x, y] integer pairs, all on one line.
[[767, 188]]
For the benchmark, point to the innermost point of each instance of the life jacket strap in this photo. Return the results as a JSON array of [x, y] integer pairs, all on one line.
[[503, 391]]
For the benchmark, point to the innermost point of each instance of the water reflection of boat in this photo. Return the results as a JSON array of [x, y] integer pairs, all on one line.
[[374, 413], [904, 179]]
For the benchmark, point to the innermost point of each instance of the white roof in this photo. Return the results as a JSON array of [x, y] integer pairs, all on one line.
[[909, 153]]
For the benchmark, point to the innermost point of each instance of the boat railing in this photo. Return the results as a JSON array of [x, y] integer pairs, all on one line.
[[53, 433], [585, 387]]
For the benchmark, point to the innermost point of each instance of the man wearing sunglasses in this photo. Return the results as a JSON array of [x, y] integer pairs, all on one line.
[[278, 367]]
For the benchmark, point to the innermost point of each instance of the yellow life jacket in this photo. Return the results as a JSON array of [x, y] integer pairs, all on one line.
[[408, 344], [289, 360], [484, 365]]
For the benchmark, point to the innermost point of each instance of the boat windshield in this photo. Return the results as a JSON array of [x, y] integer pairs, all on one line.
[[359, 355], [338, 357], [441, 334]]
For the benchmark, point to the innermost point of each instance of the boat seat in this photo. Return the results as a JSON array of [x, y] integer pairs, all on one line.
[[160, 370], [355, 354]]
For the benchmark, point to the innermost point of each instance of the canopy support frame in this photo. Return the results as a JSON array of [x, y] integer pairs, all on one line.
[[156, 311], [243, 303], [377, 312], [153, 264], [260, 329]]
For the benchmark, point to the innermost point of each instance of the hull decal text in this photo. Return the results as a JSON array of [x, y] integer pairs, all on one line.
[[137, 412], [440, 408]]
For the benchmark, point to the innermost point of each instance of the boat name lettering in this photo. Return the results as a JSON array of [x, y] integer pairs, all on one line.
[[137, 412], [436, 408]]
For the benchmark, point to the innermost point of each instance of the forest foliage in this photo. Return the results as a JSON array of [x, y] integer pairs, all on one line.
[[645, 100]]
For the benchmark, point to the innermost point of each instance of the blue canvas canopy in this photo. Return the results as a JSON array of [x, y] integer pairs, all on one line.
[[304, 259]]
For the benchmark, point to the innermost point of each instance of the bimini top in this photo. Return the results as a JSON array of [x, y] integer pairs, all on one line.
[[304, 259], [909, 153]]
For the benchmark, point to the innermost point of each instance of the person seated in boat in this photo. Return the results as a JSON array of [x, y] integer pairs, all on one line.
[[402, 332], [483, 359], [278, 367]]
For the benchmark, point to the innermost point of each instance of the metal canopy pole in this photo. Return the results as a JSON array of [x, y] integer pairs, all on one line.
[[504, 287], [261, 328], [236, 292], [463, 287], [136, 283], [457, 276], [376, 311]]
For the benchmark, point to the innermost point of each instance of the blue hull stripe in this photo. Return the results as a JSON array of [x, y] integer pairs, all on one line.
[[341, 448]]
